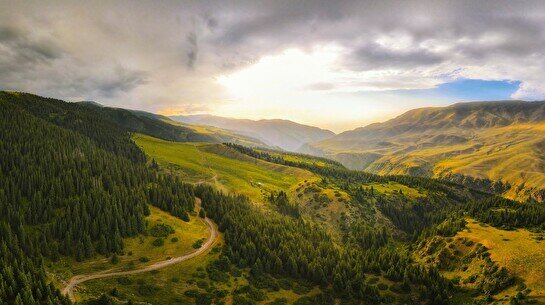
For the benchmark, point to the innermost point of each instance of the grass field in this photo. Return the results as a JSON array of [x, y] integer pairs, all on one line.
[[293, 157], [136, 248], [222, 166], [168, 284], [519, 251], [392, 188]]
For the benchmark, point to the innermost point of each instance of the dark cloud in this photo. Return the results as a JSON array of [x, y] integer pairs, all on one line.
[[19, 49], [39, 65], [122, 80], [192, 49], [374, 56], [62, 48]]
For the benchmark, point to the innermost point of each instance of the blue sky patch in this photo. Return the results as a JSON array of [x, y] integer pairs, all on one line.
[[467, 90]]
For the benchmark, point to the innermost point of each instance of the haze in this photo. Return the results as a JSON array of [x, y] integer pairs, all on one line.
[[333, 64]]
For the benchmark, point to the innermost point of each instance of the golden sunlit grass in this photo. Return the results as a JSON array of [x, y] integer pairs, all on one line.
[[511, 154], [519, 251]]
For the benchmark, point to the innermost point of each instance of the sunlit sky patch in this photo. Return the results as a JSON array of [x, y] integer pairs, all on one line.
[[334, 64]]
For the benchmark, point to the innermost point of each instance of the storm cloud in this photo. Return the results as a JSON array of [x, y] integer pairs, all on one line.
[[168, 54]]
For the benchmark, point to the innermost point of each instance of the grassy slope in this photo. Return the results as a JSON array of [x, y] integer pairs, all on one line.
[[168, 291], [220, 135], [391, 188], [519, 251], [172, 282], [511, 154], [228, 169], [140, 246], [198, 162]]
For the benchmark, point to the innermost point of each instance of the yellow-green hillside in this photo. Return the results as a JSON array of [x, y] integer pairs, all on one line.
[[222, 166], [520, 251], [139, 250], [499, 141]]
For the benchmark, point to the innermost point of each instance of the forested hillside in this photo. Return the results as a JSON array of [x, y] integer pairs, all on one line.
[[71, 184], [75, 188], [164, 128]]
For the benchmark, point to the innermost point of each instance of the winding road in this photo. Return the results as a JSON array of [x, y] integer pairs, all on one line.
[[78, 279]]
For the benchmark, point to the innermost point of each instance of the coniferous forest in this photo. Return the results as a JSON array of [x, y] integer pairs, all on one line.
[[74, 184]]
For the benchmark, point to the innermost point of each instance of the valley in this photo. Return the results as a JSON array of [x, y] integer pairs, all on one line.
[[480, 144], [272, 152], [226, 223]]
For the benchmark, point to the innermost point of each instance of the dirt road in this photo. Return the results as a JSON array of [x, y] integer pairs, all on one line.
[[78, 279]]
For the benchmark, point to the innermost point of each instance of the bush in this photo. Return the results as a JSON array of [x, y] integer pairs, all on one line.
[[146, 289], [242, 300], [256, 294], [115, 259], [204, 299], [158, 242], [174, 239], [161, 230], [301, 289], [102, 300], [114, 292], [202, 284], [124, 280], [198, 244], [192, 293], [144, 259]]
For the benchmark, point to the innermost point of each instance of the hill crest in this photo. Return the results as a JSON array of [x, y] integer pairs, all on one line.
[[281, 133]]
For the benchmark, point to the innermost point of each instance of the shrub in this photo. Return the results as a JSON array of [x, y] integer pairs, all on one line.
[[146, 289], [202, 284], [124, 280], [158, 242], [242, 300], [115, 259], [198, 244], [161, 230], [192, 293]]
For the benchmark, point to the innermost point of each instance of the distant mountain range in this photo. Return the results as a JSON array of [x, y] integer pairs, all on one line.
[[164, 128], [498, 141], [284, 134]]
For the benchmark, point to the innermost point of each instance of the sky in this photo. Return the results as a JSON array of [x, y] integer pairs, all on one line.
[[333, 64]]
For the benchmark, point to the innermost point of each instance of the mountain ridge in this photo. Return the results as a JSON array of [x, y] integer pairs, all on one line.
[[282, 133], [427, 113], [498, 141]]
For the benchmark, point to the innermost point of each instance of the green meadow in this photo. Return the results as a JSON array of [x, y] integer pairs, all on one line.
[[225, 168], [392, 188], [139, 250]]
